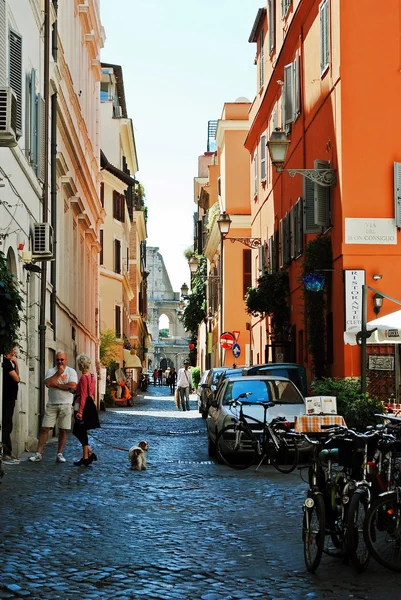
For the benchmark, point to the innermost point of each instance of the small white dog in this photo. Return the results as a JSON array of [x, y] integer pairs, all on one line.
[[137, 456]]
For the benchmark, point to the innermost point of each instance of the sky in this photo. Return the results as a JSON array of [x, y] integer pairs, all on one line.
[[181, 61]]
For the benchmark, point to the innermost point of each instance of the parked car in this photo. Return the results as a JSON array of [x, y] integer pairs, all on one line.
[[210, 384], [201, 383], [296, 373], [288, 402]]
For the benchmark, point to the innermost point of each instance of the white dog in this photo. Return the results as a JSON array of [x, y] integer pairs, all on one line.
[[137, 456]]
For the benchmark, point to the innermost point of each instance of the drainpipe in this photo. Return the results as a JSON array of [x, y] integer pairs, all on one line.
[[53, 186], [45, 208]]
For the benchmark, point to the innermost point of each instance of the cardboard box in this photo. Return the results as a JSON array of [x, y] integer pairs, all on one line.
[[316, 405]]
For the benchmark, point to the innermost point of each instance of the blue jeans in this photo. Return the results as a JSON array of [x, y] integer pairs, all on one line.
[[184, 395]]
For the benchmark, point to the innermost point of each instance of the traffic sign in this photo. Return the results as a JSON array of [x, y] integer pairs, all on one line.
[[227, 340], [236, 335], [236, 350]]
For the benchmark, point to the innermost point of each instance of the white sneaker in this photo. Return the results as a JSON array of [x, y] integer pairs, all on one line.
[[36, 457], [60, 458], [10, 460]]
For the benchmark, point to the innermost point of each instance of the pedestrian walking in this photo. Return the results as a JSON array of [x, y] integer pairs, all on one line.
[[173, 379], [11, 380], [61, 380], [160, 376], [184, 384], [85, 412], [155, 375]]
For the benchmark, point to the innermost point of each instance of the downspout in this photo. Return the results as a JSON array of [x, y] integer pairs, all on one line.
[[45, 209], [53, 186]]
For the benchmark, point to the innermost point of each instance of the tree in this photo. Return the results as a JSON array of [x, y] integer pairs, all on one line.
[[109, 348], [195, 308], [11, 304]]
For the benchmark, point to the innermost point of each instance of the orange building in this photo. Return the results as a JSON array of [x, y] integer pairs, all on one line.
[[222, 185], [326, 70]]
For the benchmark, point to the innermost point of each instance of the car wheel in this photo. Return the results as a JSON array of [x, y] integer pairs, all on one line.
[[211, 447]]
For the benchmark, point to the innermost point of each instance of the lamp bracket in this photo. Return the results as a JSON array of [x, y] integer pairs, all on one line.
[[323, 177], [250, 242]]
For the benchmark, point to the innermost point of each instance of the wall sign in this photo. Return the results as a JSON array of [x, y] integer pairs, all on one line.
[[381, 363], [354, 280], [370, 231]]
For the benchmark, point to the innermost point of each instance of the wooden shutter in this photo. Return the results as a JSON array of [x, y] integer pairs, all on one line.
[[255, 174], [15, 73], [33, 122], [199, 237], [324, 36], [3, 44], [101, 247], [118, 321], [297, 89], [261, 58], [293, 231], [263, 158], [270, 255], [275, 251], [41, 138], [102, 194], [261, 258], [397, 193], [299, 232], [117, 256], [309, 207], [246, 270], [321, 198], [272, 26], [288, 91]]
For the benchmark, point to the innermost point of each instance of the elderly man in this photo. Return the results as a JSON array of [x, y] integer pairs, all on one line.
[[61, 380], [184, 385]]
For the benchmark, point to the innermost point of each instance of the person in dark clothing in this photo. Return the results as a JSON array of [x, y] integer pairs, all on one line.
[[172, 379], [11, 380]]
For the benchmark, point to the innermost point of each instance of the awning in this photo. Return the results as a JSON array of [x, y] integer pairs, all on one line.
[[385, 330]]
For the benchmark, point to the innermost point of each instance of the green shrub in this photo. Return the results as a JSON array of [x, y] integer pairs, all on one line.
[[357, 409], [195, 376]]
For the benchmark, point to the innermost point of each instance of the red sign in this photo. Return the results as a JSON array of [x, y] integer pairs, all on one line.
[[227, 340]]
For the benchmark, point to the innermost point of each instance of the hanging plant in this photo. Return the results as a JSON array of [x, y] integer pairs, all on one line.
[[270, 298], [195, 307], [317, 258], [11, 304]]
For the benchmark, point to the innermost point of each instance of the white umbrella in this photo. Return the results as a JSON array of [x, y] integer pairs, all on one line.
[[387, 330]]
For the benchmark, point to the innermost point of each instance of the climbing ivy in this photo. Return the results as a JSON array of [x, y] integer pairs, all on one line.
[[11, 304], [270, 298]]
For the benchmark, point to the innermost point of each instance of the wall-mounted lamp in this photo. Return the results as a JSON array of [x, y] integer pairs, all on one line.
[[377, 277], [224, 223], [377, 303], [278, 147]]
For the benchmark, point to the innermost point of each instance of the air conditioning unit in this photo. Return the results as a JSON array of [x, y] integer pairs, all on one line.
[[42, 244], [118, 111], [8, 117]]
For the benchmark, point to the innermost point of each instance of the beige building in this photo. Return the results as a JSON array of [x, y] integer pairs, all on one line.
[[123, 234]]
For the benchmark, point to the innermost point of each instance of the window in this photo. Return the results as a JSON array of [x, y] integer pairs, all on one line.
[[316, 203], [291, 92], [255, 174], [117, 256], [263, 158], [261, 58], [119, 206], [272, 25], [104, 91], [15, 73], [296, 230], [102, 194], [247, 270], [284, 229], [324, 36], [118, 321], [285, 5]]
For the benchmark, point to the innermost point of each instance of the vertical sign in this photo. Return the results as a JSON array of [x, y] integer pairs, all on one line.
[[354, 280]]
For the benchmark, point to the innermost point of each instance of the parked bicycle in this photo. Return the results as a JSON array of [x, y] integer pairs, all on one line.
[[247, 439]]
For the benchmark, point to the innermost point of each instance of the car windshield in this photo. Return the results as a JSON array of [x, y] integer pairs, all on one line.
[[282, 392], [216, 375]]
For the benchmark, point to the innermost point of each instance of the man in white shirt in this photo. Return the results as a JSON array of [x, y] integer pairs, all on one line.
[[60, 380], [184, 384]]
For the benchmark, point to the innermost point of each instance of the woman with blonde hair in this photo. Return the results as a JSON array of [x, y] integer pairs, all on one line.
[[85, 412]]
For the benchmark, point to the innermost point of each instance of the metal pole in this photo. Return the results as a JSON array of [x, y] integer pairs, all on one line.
[[363, 340]]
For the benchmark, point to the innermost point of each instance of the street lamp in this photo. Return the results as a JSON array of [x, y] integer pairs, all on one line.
[[278, 147], [193, 264], [184, 290], [224, 223]]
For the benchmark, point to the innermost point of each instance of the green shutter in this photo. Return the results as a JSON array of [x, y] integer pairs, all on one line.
[[288, 94], [33, 122], [272, 26], [15, 73], [321, 198], [397, 193], [310, 225], [297, 89]]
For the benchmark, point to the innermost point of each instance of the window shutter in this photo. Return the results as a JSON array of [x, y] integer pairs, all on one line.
[[199, 237], [297, 90], [262, 58], [3, 44], [275, 251], [288, 92], [101, 247], [272, 26], [255, 174], [324, 36], [281, 243], [321, 198], [33, 122], [299, 245], [117, 256], [246, 270], [263, 158], [309, 207], [15, 73], [270, 255], [261, 261], [397, 193], [293, 231], [40, 138], [118, 321]]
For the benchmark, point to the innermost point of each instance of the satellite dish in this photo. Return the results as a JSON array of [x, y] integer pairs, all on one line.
[[241, 100]]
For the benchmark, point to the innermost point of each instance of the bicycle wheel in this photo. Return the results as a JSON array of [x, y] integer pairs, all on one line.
[[285, 458], [313, 531], [235, 446], [355, 543], [382, 530]]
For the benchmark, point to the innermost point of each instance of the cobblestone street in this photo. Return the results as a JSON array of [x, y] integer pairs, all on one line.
[[187, 528]]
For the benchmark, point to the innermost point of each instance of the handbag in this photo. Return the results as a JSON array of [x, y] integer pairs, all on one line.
[[177, 398], [90, 417]]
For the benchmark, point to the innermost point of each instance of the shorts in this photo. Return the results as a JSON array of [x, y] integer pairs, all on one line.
[[58, 414]]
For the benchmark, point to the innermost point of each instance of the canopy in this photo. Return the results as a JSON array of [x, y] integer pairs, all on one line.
[[388, 330]]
